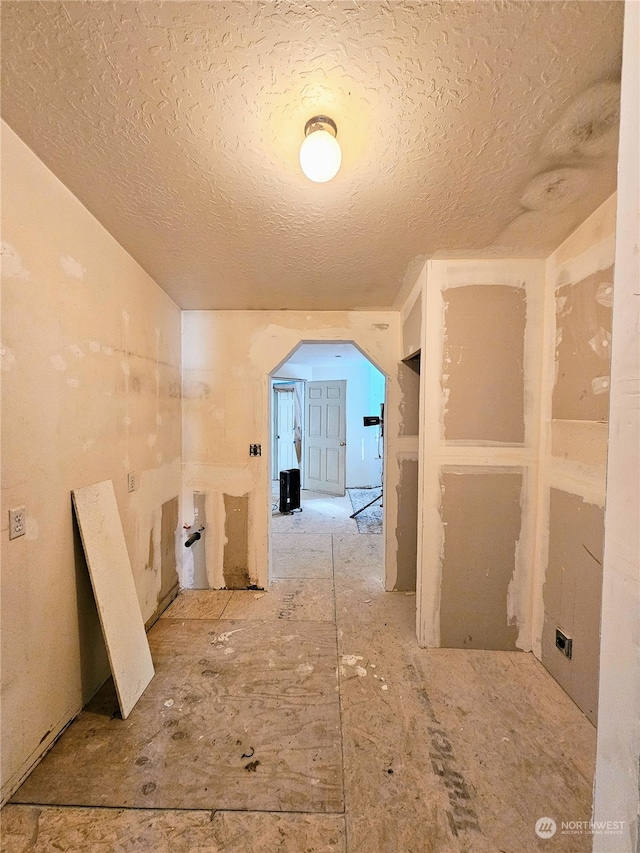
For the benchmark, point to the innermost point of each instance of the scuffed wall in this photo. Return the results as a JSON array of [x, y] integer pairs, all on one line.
[[617, 784], [91, 391], [573, 450], [227, 359], [480, 425]]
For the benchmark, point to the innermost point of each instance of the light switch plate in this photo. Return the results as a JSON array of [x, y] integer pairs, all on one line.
[[132, 481]]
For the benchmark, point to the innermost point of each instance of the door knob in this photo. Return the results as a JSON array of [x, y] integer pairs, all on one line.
[[343, 444]]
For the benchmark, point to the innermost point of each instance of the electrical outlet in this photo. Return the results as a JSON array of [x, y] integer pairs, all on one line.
[[564, 643], [132, 481], [17, 522]]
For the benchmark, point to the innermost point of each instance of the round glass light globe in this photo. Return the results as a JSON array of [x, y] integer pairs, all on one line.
[[320, 156]]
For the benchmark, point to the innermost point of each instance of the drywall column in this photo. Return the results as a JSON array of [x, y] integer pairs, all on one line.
[[573, 453], [408, 440], [91, 391], [479, 435], [227, 357], [617, 764]]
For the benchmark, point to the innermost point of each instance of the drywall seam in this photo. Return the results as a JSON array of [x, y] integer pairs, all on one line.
[[585, 481], [511, 273], [485, 454], [421, 284], [519, 590], [542, 488], [412, 297], [593, 260], [431, 541]]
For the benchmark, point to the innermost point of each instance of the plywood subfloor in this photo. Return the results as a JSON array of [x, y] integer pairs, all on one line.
[[441, 751], [241, 715]]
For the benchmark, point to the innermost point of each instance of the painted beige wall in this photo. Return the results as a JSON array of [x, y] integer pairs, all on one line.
[[91, 390], [573, 450], [478, 452], [227, 358], [617, 788]]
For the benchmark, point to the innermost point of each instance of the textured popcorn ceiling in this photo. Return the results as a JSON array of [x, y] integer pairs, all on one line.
[[466, 128]]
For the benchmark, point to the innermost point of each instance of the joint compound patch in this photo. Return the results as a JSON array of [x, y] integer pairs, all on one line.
[[12, 266], [600, 343], [7, 356], [600, 385], [58, 362], [604, 294], [72, 267], [76, 350]]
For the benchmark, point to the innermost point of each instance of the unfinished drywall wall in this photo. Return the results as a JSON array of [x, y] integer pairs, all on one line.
[[617, 785], [583, 348], [91, 391], [408, 372], [407, 490], [483, 363], [409, 382], [573, 596], [481, 515], [480, 424], [168, 562], [573, 451], [228, 356], [235, 564], [412, 324]]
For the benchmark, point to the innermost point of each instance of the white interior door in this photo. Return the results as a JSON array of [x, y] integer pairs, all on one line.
[[285, 430], [325, 436]]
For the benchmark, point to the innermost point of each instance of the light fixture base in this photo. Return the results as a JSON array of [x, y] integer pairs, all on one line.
[[321, 123]]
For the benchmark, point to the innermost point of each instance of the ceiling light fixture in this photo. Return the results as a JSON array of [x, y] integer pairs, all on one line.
[[320, 154]]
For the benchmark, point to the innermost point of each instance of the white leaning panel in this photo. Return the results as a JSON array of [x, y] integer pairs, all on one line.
[[114, 590]]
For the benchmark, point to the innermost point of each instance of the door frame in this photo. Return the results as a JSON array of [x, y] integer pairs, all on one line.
[[270, 468], [273, 420]]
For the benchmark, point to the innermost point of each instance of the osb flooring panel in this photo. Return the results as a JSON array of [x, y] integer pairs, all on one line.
[[297, 599], [198, 604], [297, 555], [33, 829], [444, 751], [240, 715]]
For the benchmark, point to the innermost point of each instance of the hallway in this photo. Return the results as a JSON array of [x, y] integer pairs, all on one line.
[[244, 743]]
